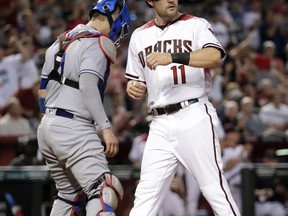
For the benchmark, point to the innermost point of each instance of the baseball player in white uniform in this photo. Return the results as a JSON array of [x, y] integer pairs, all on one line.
[[73, 80], [169, 60]]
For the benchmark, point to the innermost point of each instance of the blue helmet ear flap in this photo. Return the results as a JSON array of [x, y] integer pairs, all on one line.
[[120, 26]]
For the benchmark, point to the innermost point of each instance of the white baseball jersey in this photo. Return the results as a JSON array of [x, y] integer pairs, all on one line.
[[174, 82], [187, 136]]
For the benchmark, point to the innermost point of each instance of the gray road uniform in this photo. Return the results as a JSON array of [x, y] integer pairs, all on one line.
[[67, 134]]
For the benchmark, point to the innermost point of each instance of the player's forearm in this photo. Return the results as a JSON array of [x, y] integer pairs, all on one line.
[[92, 99], [203, 58]]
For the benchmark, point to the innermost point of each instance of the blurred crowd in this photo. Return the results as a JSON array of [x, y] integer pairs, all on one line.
[[250, 89]]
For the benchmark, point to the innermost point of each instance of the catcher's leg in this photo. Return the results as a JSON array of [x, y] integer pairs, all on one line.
[[104, 195], [69, 205]]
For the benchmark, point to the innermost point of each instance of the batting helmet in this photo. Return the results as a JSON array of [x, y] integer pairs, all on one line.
[[179, 2], [120, 26]]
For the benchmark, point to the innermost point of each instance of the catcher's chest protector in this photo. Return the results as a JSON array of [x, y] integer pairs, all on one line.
[[64, 42]]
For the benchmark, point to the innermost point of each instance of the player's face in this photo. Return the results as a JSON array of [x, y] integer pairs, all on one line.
[[166, 10]]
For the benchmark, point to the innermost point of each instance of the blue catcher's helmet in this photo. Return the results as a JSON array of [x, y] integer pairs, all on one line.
[[120, 26]]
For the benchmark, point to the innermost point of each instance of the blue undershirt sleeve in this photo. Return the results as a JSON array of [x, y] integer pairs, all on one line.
[[41, 100]]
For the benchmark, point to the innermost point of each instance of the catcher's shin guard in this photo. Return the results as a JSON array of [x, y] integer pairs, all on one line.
[[107, 191]]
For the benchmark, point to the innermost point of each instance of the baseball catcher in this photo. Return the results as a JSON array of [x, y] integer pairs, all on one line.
[[73, 82]]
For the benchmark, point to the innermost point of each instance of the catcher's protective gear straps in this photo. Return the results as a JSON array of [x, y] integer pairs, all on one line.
[[78, 205], [64, 42]]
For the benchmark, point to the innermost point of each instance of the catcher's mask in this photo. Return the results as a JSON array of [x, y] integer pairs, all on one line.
[[120, 26], [179, 2]]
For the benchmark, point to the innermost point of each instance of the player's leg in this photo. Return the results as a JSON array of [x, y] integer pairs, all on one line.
[[70, 199], [90, 167], [195, 128], [79, 164], [213, 192], [236, 193], [69, 204], [103, 198], [157, 171]]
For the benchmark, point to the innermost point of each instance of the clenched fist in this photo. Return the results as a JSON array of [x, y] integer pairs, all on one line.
[[136, 89]]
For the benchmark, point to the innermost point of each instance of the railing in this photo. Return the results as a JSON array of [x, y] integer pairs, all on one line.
[[35, 183], [41, 173], [33, 188]]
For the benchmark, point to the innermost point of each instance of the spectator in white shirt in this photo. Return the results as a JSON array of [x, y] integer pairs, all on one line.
[[274, 115], [17, 70], [12, 123]]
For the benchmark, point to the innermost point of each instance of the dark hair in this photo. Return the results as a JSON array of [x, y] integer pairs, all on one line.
[[180, 1]]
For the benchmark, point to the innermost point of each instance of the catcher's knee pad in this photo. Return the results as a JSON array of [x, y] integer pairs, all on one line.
[[78, 203], [109, 191]]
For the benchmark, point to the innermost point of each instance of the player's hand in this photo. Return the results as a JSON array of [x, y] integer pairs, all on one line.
[[136, 89], [157, 58], [112, 144]]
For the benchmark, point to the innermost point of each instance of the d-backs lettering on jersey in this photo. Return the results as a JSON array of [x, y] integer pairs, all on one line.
[[166, 46]]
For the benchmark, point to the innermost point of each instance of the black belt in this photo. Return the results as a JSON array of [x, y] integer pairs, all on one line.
[[66, 114], [172, 108]]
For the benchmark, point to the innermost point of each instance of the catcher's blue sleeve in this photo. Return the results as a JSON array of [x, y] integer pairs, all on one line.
[[43, 84]]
